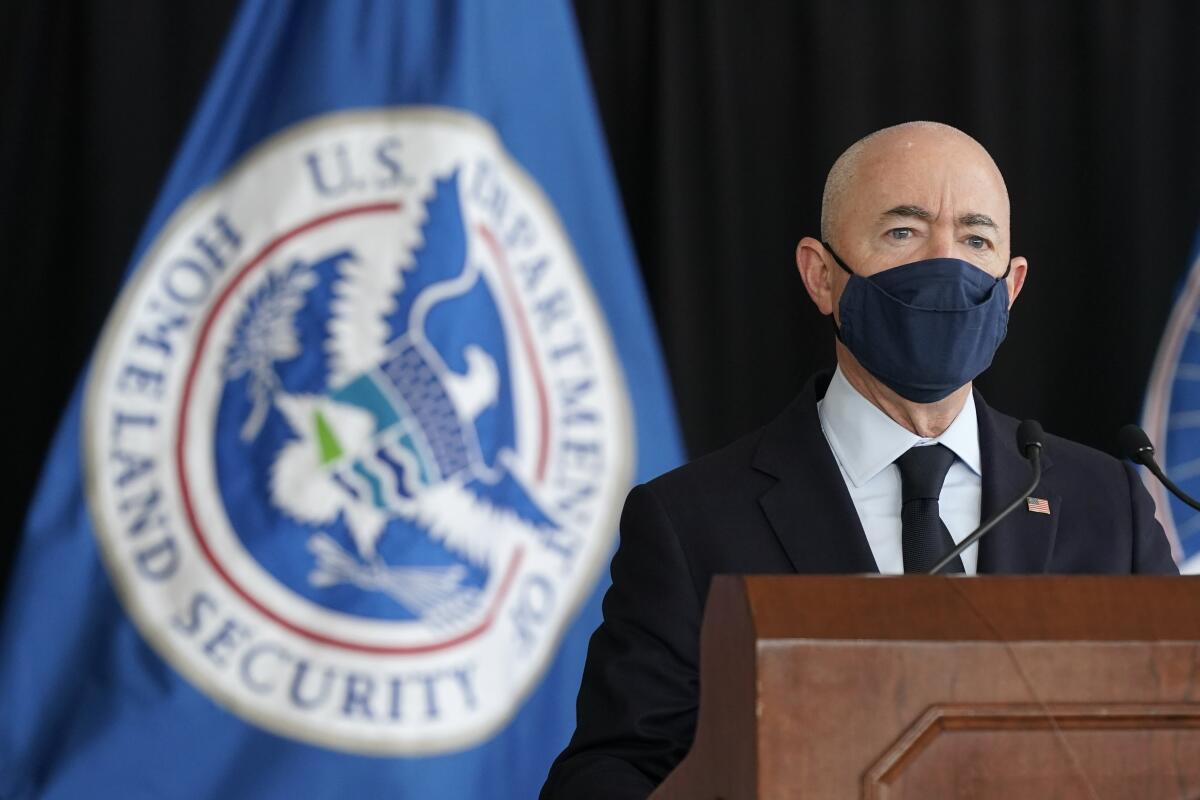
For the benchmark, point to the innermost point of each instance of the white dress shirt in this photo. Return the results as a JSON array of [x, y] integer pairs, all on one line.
[[865, 442]]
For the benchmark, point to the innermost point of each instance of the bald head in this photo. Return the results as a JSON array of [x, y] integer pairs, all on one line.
[[897, 155]]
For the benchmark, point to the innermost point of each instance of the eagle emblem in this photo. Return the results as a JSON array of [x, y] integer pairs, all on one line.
[[400, 425]]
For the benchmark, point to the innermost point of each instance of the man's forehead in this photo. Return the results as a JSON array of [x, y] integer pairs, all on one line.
[[919, 165], [928, 174], [969, 193]]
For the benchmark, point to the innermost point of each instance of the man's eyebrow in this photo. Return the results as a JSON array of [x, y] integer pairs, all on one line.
[[907, 211], [976, 219], [972, 219]]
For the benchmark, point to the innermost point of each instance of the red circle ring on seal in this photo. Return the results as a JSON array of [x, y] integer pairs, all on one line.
[[510, 570]]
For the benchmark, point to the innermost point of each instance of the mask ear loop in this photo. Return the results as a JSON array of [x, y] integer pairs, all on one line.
[[837, 332], [837, 259]]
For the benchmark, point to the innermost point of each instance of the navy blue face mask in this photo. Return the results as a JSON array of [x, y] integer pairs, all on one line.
[[926, 328]]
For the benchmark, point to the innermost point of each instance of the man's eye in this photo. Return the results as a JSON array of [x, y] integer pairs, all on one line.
[[978, 242], [900, 233]]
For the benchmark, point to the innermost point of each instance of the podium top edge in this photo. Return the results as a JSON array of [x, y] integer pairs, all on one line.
[[960, 608]]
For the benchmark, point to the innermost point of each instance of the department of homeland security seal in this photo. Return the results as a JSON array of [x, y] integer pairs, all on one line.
[[1172, 420], [356, 435]]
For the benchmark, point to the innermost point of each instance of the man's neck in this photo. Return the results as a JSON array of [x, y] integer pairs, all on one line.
[[927, 420]]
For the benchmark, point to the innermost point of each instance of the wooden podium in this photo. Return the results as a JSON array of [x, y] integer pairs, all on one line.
[[988, 687]]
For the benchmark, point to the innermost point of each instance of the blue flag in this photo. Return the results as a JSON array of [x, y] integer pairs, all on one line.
[[330, 513], [1171, 417]]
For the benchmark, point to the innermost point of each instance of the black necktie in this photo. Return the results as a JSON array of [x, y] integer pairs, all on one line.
[[923, 534]]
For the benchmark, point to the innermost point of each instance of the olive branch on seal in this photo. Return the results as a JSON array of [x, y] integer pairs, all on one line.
[[266, 333]]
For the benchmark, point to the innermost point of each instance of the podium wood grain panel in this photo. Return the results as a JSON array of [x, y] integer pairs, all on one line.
[[902, 687], [1112, 751]]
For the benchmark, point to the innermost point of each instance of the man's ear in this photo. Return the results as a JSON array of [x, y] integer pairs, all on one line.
[[815, 272], [1017, 269]]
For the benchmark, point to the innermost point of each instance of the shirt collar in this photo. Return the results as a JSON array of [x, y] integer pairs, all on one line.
[[865, 440]]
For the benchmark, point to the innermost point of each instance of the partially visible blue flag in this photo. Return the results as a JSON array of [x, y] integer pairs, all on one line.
[[329, 515], [1171, 417]]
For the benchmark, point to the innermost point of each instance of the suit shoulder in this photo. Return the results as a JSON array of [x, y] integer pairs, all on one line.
[[1073, 457], [717, 473]]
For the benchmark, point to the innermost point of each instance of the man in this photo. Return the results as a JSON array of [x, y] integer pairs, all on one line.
[[882, 466]]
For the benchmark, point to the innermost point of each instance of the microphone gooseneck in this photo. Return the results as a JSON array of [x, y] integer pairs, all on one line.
[[1029, 442], [1136, 446]]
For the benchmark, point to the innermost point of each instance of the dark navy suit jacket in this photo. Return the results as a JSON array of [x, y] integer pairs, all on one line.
[[775, 502]]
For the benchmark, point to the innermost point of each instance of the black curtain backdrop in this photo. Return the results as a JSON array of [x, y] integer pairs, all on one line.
[[722, 118]]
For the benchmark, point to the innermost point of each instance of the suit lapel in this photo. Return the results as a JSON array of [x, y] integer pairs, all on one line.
[[810, 509], [1023, 541]]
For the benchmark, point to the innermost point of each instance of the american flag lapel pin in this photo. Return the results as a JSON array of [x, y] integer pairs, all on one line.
[[1037, 505]]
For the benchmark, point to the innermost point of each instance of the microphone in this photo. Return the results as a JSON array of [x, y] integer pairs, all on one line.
[[1135, 445], [1029, 442]]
